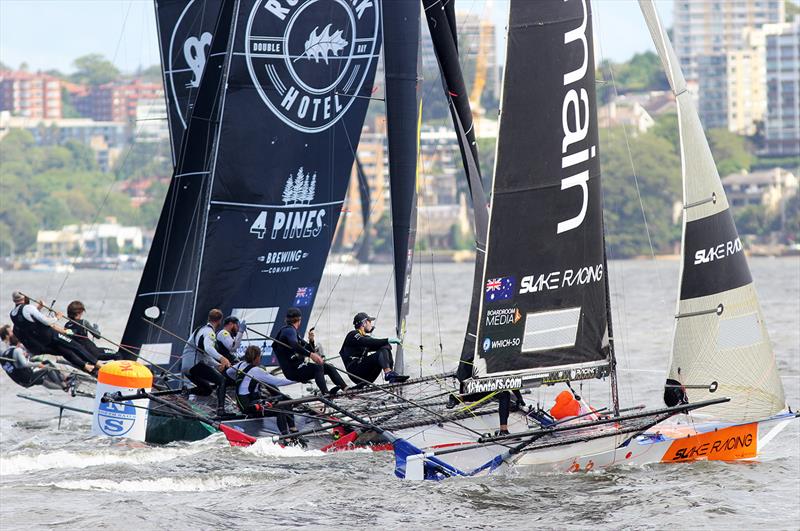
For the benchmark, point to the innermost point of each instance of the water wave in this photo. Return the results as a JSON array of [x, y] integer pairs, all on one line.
[[267, 448], [167, 484]]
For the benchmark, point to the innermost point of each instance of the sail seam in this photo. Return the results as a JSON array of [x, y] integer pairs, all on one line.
[[257, 205]]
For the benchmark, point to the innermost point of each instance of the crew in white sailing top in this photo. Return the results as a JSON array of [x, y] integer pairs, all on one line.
[[203, 364], [255, 387], [230, 337]]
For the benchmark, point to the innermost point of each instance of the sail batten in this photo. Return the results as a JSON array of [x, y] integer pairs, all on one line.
[[720, 334]]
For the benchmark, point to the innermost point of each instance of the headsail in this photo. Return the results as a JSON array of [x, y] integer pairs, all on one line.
[[444, 34], [720, 335], [268, 160], [185, 30], [402, 57], [543, 314]]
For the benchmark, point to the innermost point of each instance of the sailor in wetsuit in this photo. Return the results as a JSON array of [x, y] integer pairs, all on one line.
[[365, 356], [42, 335], [83, 330], [230, 337], [202, 363], [251, 379], [298, 362], [27, 373]]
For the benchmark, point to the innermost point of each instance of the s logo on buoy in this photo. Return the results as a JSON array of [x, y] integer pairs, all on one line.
[[116, 419]]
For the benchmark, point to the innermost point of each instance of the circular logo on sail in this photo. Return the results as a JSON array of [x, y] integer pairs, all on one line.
[[189, 47], [309, 59]]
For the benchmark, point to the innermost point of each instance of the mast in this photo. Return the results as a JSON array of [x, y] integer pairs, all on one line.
[[543, 313], [720, 334], [444, 34], [402, 58]]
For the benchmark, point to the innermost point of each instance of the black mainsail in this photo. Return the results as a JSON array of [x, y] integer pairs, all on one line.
[[185, 31], [543, 307], [402, 58], [265, 162]]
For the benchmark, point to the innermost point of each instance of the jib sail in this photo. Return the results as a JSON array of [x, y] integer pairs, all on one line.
[[402, 59], [294, 80], [720, 340], [543, 301], [185, 30], [444, 34]]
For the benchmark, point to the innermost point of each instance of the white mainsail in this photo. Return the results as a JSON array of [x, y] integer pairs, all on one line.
[[720, 334]]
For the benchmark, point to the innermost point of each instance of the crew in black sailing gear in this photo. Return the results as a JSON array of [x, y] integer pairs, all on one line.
[[297, 361], [27, 373], [251, 380], [42, 335], [83, 330], [202, 363], [365, 356], [230, 337]]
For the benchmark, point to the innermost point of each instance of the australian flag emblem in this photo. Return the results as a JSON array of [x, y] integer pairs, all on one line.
[[499, 289], [303, 296]]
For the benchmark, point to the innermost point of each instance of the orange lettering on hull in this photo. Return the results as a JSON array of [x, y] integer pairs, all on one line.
[[727, 444]]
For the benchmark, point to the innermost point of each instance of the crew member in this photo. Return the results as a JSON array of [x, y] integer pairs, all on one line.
[[83, 330], [5, 331], [41, 335], [27, 373], [297, 362], [202, 363], [230, 337], [251, 380], [365, 356]]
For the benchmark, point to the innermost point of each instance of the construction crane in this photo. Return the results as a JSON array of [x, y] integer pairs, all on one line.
[[481, 62]]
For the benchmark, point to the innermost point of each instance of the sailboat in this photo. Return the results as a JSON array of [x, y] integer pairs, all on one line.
[[544, 317]]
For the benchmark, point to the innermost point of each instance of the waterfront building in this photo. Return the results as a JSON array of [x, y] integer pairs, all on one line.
[[770, 188], [30, 95], [782, 127]]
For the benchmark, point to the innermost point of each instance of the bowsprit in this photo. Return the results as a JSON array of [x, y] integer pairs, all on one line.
[[308, 60]]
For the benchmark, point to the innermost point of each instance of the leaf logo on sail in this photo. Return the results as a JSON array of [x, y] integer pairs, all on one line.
[[323, 45], [310, 60]]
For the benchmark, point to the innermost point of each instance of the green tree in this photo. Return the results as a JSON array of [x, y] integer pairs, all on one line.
[[732, 152], [755, 220], [94, 69], [792, 10]]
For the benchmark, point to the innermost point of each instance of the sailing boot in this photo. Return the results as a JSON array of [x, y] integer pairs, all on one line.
[[392, 377]]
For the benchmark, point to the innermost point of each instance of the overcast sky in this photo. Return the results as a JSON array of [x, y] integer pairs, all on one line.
[[52, 33]]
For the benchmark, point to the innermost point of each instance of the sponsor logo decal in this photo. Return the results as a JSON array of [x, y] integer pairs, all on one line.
[[723, 250], [499, 289], [584, 373], [309, 59], [728, 444], [492, 384], [303, 296], [188, 51], [575, 116], [282, 261], [294, 222], [503, 316], [561, 279], [506, 342], [116, 419]]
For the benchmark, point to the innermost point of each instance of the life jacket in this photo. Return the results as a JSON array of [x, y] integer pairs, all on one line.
[[245, 400], [225, 351], [22, 376], [565, 406], [34, 335]]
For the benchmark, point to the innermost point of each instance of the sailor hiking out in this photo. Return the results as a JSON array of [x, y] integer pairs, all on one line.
[[298, 362], [365, 357], [255, 387], [17, 364], [41, 335], [83, 331], [202, 363]]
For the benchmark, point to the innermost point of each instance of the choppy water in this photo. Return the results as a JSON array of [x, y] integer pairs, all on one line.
[[68, 479]]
